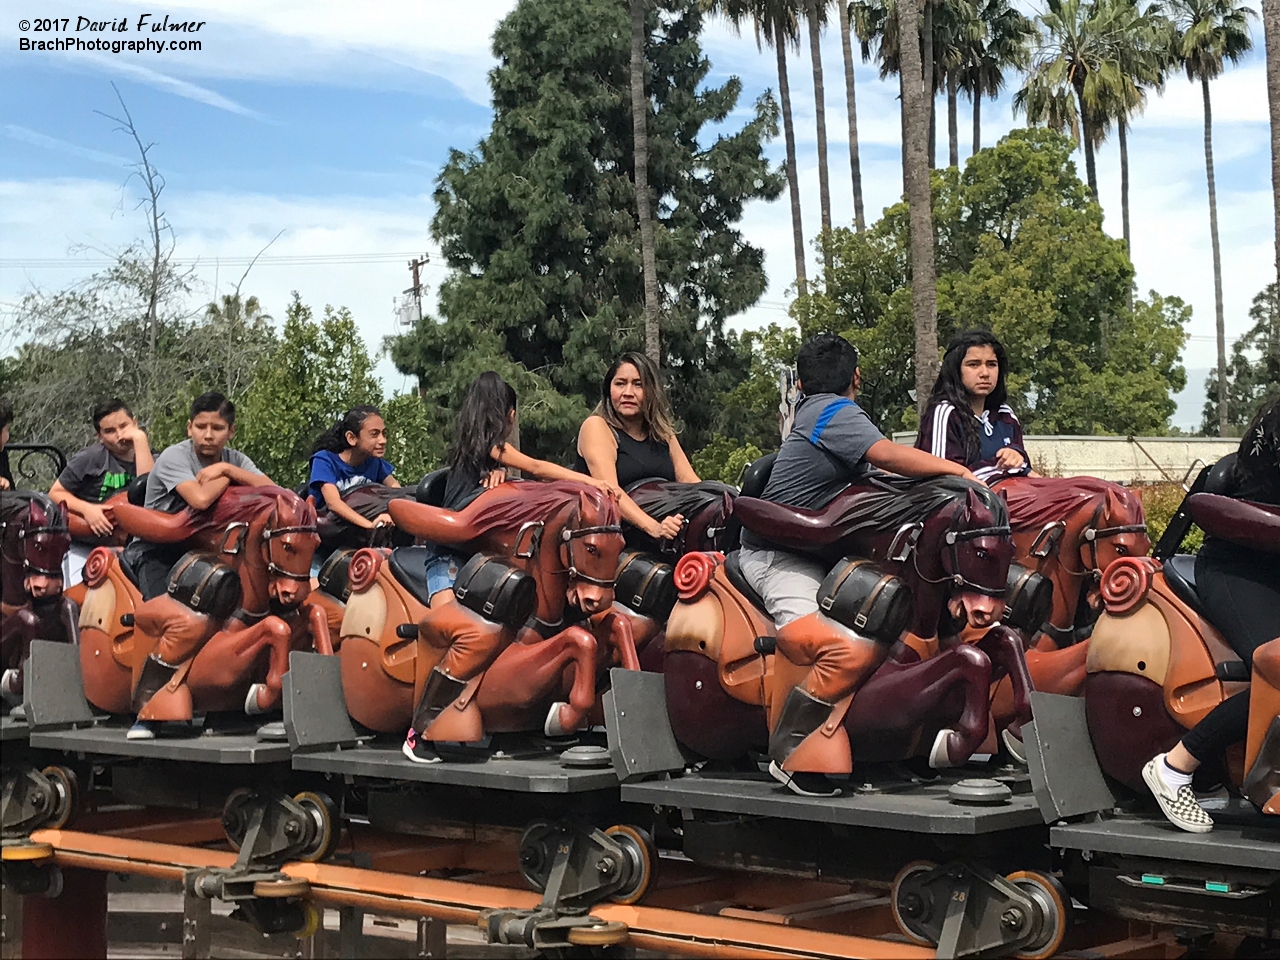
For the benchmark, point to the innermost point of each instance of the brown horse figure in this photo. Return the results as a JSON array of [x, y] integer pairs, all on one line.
[[947, 539], [469, 675], [706, 507], [33, 540], [1068, 530], [178, 659], [1157, 666]]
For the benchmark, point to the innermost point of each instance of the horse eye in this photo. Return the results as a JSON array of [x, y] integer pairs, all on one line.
[[981, 554], [592, 550], [1122, 550]]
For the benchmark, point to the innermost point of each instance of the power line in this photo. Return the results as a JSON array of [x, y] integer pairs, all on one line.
[[334, 259]]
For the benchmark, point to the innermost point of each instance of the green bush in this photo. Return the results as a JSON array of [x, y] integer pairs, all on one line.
[[1160, 502]]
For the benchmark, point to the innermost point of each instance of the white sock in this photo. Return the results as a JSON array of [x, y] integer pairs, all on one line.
[[1174, 777]]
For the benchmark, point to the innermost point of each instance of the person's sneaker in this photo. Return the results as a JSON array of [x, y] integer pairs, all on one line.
[[143, 730], [804, 784], [418, 750], [1017, 749], [1180, 805]]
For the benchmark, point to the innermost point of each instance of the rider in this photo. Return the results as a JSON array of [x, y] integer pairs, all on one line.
[[349, 455], [630, 436], [193, 473], [967, 419], [6, 420], [480, 451], [831, 444], [1239, 588], [98, 472]]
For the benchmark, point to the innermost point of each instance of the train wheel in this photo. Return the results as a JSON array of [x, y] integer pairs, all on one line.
[[1053, 909], [908, 906], [642, 856], [235, 820], [606, 934], [67, 788], [26, 850], [323, 813], [280, 889]]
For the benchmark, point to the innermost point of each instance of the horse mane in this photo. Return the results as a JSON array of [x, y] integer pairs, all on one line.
[[537, 500], [894, 501], [15, 502], [660, 499], [241, 504], [1036, 501]]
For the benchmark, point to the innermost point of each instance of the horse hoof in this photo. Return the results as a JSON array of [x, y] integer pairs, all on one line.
[[553, 727], [939, 757], [251, 705], [1017, 749]]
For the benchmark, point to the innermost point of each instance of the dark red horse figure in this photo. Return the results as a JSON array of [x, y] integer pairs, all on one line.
[[948, 541], [33, 541], [567, 536], [212, 659], [706, 507], [370, 501]]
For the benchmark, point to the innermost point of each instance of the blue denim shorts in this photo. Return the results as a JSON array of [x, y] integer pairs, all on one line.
[[442, 569]]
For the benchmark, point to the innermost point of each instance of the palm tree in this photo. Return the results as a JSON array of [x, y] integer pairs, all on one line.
[[855, 164], [1074, 75], [1210, 32], [955, 28], [640, 129], [1005, 43], [1271, 28], [776, 25], [924, 293], [816, 14]]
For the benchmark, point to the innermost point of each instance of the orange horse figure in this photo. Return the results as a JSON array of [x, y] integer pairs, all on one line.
[[1068, 530], [470, 675], [171, 658]]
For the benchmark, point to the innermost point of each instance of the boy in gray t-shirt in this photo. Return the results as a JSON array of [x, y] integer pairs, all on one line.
[[193, 473], [832, 443]]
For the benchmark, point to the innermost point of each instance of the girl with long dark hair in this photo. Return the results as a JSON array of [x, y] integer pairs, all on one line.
[[631, 436], [967, 420], [478, 456], [349, 455]]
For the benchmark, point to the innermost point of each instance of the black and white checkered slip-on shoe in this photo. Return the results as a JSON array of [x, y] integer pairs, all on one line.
[[1180, 805]]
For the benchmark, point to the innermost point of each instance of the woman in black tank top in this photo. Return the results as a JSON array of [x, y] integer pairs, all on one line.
[[629, 437]]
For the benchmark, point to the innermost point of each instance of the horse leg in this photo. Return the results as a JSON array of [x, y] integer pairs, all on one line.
[[228, 660], [525, 674], [621, 640], [904, 696], [1004, 647]]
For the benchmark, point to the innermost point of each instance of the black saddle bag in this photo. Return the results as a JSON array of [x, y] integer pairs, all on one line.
[[205, 584], [497, 590], [645, 584], [1028, 598], [860, 595], [333, 577]]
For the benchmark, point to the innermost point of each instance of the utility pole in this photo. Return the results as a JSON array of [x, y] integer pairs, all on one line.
[[414, 267]]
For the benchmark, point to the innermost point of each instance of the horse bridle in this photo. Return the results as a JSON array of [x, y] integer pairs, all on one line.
[[1090, 535], [954, 537], [269, 534], [23, 533], [567, 537]]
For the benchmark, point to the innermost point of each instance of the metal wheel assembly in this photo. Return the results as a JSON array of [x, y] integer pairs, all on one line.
[[909, 906], [66, 788], [325, 826], [1052, 919], [642, 861], [607, 933]]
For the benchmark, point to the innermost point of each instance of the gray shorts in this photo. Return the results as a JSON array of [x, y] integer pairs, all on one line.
[[787, 582]]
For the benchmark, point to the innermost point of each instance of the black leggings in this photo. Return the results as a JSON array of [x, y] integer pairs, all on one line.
[[1240, 592]]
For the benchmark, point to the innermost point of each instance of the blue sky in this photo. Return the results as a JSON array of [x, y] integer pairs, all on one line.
[[329, 121]]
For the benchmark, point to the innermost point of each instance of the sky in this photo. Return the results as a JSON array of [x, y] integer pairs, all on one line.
[[322, 125]]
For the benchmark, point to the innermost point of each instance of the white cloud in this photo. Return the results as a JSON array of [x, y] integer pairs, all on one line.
[[182, 88], [15, 132]]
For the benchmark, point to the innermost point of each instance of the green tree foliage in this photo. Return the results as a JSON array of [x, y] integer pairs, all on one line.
[[89, 342], [409, 444], [1021, 250], [319, 370], [1253, 374], [538, 226]]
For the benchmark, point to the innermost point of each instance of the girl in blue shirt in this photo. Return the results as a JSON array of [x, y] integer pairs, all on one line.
[[349, 455]]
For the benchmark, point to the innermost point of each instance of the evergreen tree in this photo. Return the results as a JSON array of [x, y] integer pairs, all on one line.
[[1253, 374], [538, 223]]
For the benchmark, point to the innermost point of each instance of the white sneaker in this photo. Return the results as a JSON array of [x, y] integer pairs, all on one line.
[[552, 726], [251, 699], [143, 730], [1180, 806], [1017, 749]]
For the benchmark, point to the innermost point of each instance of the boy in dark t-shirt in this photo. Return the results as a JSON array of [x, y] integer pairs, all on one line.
[[98, 472]]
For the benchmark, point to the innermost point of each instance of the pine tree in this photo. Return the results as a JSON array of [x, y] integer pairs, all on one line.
[[538, 223]]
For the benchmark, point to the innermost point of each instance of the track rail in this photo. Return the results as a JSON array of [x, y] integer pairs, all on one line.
[[673, 932]]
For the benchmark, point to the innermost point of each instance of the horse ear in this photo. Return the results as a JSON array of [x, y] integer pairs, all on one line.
[[283, 506], [36, 513]]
